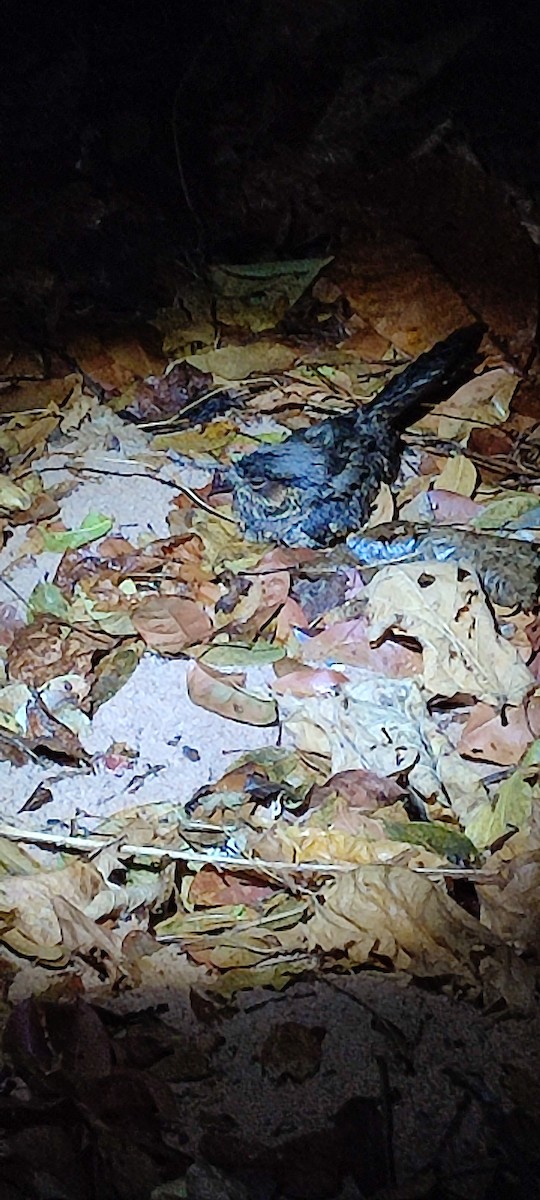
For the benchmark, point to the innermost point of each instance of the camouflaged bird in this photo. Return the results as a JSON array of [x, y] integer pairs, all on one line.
[[318, 485]]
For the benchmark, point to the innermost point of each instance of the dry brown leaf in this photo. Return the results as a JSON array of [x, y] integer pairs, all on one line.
[[46, 731], [396, 288], [171, 623], [488, 737], [485, 398], [308, 681], [265, 594], [448, 614], [42, 508], [402, 917], [114, 358], [290, 616], [350, 642], [80, 934], [221, 694], [238, 361], [460, 214], [47, 648], [365, 790], [32, 898], [212, 888], [285, 558]]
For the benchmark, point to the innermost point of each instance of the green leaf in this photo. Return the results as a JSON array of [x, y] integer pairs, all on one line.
[[232, 655], [113, 671], [47, 598], [94, 526], [514, 802], [499, 512], [436, 836]]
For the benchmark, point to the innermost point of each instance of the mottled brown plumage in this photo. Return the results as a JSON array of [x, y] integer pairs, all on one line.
[[318, 485]]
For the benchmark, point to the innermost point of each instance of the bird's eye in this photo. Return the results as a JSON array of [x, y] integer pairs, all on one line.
[[257, 482]]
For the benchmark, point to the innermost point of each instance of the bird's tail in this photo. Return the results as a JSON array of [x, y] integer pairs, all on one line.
[[429, 376]]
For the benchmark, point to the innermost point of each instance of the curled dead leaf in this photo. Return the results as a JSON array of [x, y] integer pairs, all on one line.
[[392, 913], [222, 694]]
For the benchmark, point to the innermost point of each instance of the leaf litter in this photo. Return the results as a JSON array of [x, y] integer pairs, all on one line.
[[226, 765]]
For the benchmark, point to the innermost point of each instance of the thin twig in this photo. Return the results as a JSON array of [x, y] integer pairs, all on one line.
[[92, 845]]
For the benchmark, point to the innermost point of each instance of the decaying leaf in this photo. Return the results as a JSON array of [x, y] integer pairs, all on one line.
[[223, 695], [391, 914], [436, 836], [383, 725], [113, 671], [170, 623], [47, 598], [233, 654], [47, 649], [445, 609], [500, 737], [497, 513], [513, 807]]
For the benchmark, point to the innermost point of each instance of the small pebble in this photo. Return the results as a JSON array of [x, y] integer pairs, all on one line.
[[191, 753]]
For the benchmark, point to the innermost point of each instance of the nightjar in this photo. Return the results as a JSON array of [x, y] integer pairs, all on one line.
[[318, 485]]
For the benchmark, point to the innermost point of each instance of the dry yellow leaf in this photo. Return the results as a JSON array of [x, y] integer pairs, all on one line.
[[458, 475], [382, 509], [198, 442], [13, 498], [32, 898], [449, 615], [402, 916], [35, 432], [485, 398]]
